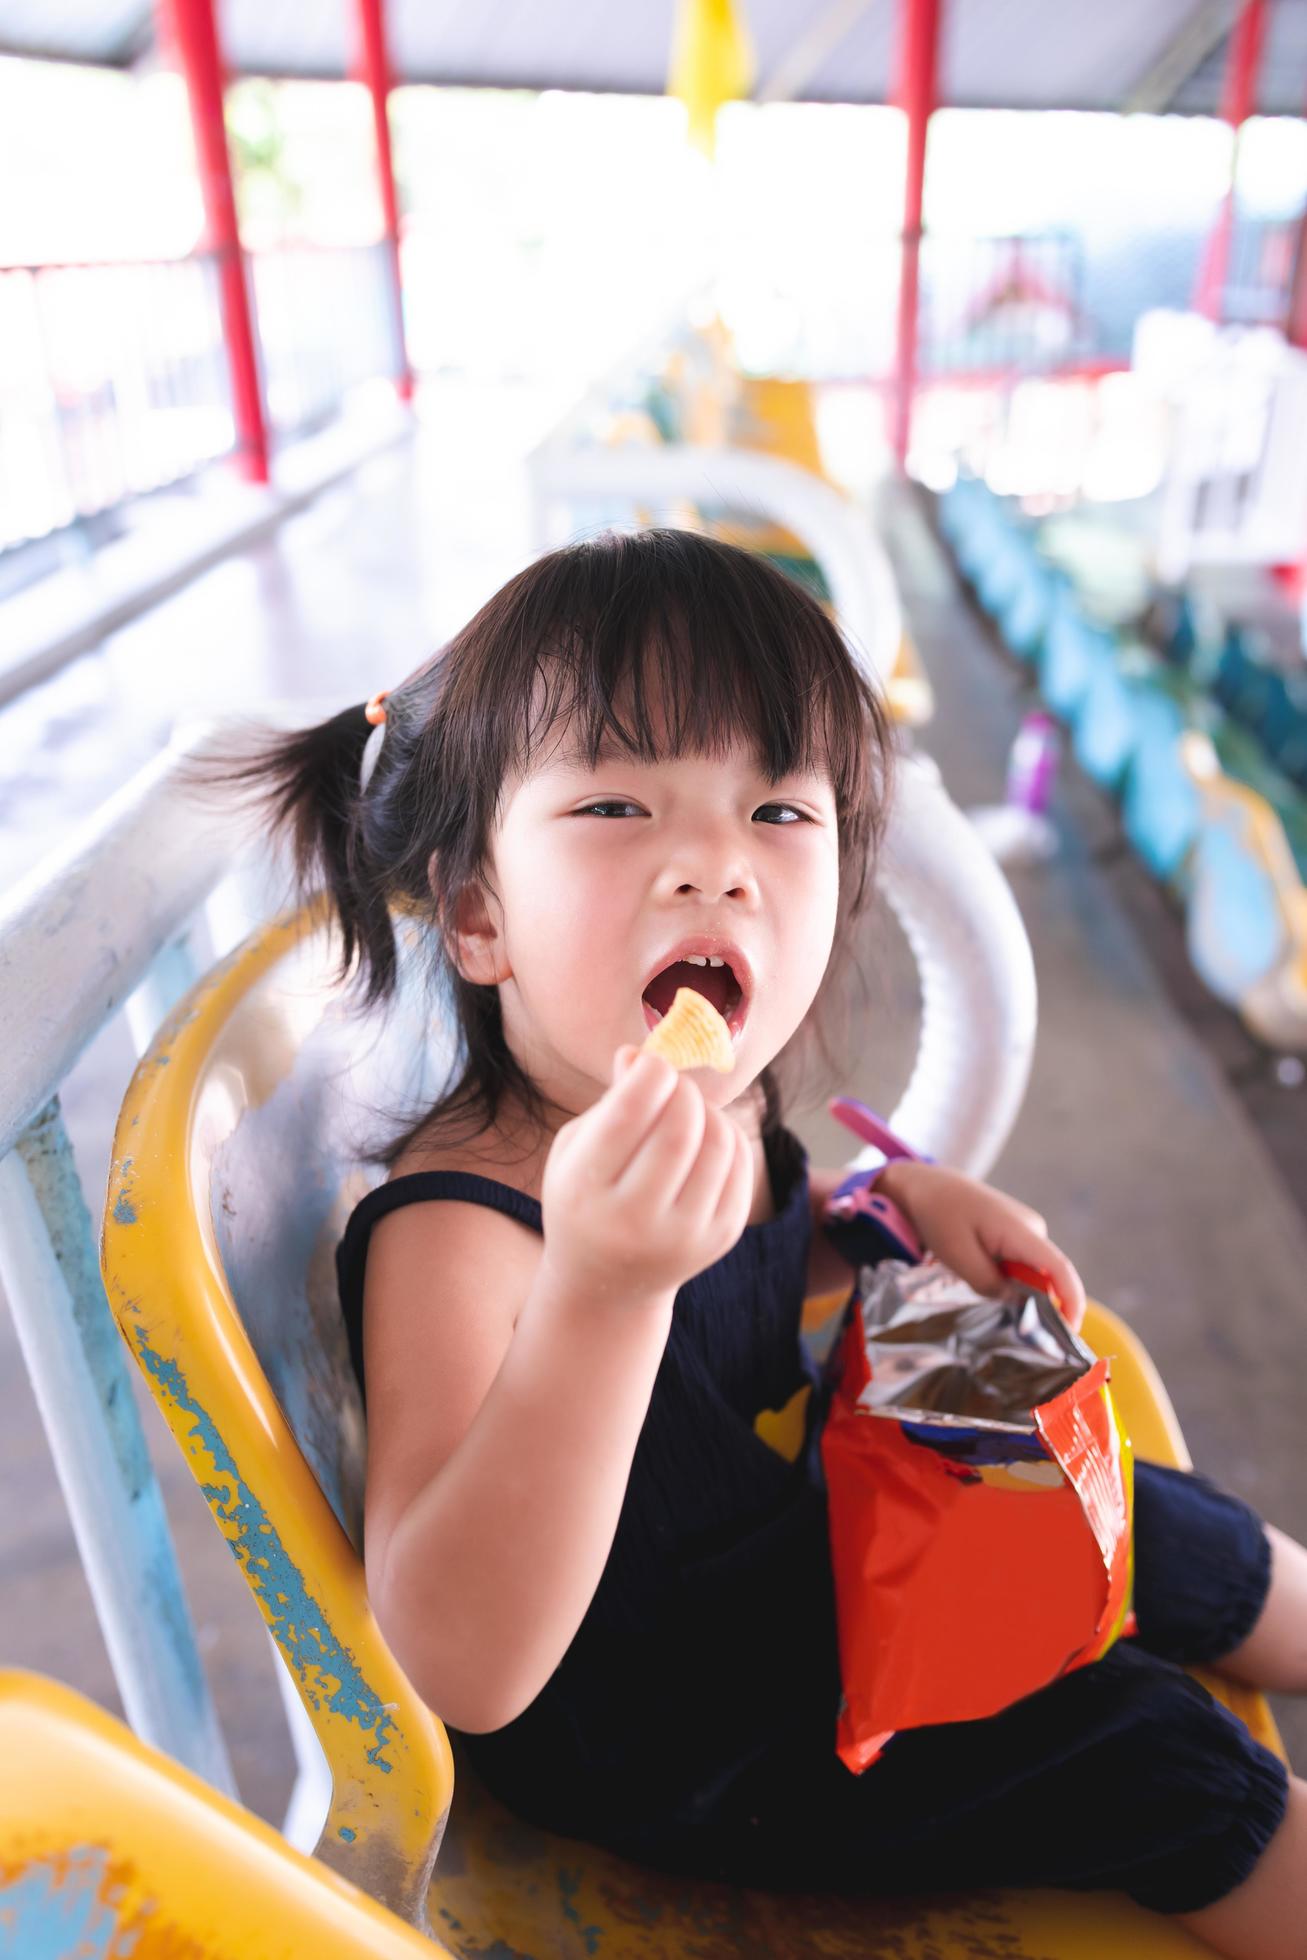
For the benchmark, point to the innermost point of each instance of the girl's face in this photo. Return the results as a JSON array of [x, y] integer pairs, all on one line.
[[600, 874]]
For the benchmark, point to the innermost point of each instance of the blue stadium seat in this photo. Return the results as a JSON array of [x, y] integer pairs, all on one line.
[[1283, 725], [1073, 652], [1159, 807], [1243, 681], [1109, 724]]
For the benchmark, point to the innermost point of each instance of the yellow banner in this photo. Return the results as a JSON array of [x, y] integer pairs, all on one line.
[[712, 62]]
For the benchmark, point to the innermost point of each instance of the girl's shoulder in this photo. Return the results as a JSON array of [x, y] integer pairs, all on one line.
[[492, 1155], [445, 1284]]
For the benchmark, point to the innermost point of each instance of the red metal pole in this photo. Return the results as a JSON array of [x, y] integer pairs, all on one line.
[[1296, 324], [374, 70], [1238, 100], [919, 22], [189, 27]]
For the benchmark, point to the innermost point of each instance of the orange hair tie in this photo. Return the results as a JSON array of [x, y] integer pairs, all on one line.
[[375, 712]]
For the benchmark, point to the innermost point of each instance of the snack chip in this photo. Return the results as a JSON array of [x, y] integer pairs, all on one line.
[[692, 1034]]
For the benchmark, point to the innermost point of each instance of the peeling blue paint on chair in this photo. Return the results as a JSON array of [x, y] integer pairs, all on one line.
[[299, 1625], [55, 1909]]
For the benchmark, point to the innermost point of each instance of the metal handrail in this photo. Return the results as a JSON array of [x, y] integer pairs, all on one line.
[[99, 926], [104, 924], [81, 931], [835, 530]]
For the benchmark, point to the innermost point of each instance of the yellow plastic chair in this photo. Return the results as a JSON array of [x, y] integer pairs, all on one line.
[[774, 415], [235, 1165], [108, 1848]]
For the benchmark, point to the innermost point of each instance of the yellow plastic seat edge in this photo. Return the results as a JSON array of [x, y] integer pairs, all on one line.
[[119, 1845], [390, 1758]]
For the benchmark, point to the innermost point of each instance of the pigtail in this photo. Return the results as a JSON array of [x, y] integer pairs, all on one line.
[[304, 786]]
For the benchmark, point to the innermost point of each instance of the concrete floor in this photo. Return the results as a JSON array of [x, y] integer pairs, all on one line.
[[1153, 1138]]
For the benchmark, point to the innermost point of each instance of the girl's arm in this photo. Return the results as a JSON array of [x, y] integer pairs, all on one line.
[[969, 1227], [501, 1436], [480, 1574]]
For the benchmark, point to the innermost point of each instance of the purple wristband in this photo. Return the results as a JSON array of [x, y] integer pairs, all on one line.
[[863, 1225]]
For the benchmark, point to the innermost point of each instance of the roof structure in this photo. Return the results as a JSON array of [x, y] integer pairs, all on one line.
[[1019, 54]]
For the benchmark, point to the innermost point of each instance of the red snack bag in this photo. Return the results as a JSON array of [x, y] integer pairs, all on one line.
[[980, 1496]]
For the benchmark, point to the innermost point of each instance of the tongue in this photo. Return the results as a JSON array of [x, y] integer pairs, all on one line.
[[715, 983]]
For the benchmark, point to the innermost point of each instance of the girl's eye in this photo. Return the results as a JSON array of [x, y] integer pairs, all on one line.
[[612, 804]]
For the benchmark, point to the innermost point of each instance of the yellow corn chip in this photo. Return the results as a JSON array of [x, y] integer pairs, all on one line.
[[692, 1034]]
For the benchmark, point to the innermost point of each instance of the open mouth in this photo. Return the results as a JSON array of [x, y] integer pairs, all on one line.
[[716, 983]]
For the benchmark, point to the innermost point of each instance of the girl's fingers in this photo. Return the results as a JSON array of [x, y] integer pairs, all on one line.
[[1067, 1281], [702, 1183], [735, 1198], [1062, 1276], [978, 1267], [659, 1166], [628, 1111], [623, 1059], [737, 1190]]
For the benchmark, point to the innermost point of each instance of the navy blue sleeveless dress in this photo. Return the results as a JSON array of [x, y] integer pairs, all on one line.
[[691, 1723]]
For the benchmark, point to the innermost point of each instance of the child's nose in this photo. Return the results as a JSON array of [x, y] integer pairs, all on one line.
[[720, 873]]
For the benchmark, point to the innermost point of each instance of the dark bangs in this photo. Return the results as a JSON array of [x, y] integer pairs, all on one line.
[[665, 643]]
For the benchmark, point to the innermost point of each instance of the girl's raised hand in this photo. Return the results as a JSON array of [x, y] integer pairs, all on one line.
[[646, 1187], [971, 1227]]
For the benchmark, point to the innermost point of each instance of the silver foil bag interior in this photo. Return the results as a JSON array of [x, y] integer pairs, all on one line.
[[937, 1347]]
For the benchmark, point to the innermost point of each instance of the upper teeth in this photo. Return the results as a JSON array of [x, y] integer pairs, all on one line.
[[703, 959]]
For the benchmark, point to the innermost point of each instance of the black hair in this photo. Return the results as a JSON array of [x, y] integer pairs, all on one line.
[[733, 648]]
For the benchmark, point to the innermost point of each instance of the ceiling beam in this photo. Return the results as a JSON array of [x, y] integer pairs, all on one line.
[[1202, 30], [67, 57], [815, 45], [136, 41]]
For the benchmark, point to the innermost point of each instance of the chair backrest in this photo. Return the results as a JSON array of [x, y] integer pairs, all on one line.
[[1282, 727], [1242, 682], [240, 1151], [108, 1847], [1247, 909]]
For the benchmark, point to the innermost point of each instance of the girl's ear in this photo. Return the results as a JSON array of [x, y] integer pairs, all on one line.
[[475, 942]]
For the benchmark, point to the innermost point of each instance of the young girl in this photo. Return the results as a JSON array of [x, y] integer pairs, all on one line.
[[651, 760]]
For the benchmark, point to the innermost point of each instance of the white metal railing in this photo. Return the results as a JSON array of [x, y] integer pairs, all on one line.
[[123, 918], [113, 384], [82, 931], [88, 928], [837, 532]]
